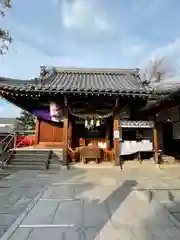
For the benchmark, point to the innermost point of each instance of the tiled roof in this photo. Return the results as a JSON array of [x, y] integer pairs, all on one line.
[[170, 89], [16, 84], [106, 81], [95, 80]]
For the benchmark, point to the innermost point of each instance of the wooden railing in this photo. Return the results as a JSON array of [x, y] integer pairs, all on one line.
[[5, 145], [11, 141]]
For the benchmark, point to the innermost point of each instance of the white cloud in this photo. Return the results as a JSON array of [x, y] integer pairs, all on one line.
[[133, 50], [170, 50], [84, 15]]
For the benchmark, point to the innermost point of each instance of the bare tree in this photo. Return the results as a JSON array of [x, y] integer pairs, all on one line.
[[157, 70], [5, 37]]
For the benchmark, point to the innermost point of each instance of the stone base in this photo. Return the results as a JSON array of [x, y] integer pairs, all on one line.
[[157, 165]]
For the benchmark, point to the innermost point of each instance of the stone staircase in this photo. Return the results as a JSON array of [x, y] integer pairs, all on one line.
[[4, 173], [32, 159]]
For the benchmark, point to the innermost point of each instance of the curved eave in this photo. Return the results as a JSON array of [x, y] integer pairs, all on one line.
[[9, 84], [16, 82], [160, 104], [34, 89]]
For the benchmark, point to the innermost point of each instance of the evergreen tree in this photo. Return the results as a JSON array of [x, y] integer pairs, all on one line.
[[27, 120]]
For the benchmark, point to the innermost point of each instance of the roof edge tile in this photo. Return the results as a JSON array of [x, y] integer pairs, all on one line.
[[94, 70]]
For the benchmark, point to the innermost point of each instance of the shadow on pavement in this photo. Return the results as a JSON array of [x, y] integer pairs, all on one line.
[[111, 204], [127, 213], [164, 220]]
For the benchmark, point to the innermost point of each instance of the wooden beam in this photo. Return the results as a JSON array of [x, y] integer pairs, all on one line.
[[155, 144], [107, 134], [116, 139], [37, 131], [65, 136], [116, 135], [70, 120]]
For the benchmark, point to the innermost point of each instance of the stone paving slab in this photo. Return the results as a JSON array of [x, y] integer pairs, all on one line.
[[7, 219], [69, 213], [59, 192], [95, 204], [4, 184], [176, 215], [21, 234], [42, 213], [94, 214], [16, 192], [47, 233]]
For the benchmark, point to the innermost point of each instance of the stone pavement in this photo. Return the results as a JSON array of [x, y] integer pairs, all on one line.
[[89, 204], [16, 191]]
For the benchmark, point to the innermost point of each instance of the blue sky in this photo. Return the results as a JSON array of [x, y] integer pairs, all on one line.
[[88, 33]]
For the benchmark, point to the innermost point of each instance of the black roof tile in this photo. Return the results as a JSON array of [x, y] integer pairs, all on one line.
[[88, 80], [81, 80]]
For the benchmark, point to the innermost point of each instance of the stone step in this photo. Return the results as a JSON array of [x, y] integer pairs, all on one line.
[[31, 155], [34, 159], [17, 158], [30, 158], [26, 167], [4, 174], [57, 156], [27, 163], [31, 152], [57, 159]]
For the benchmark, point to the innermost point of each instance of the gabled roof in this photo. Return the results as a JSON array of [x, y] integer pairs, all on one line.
[[93, 80], [82, 80]]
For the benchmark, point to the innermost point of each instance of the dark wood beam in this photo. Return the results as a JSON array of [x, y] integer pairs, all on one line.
[[65, 133], [37, 131]]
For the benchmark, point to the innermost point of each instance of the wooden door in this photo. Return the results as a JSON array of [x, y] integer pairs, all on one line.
[[50, 133], [45, 132], [58, 133]]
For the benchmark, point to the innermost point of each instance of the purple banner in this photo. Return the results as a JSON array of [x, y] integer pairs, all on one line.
[[43, 114], [53, 114]]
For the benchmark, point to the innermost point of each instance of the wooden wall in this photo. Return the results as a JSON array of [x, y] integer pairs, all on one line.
[[49, 132]]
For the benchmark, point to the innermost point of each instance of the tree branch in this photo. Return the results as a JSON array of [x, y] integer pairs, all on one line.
[[157, 70], [5, 38]]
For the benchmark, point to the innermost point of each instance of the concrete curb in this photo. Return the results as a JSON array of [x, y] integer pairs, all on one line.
[[24, 214]]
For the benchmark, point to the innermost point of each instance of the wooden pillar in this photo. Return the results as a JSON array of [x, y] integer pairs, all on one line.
[[116, 139], [70, 131], [107, 134], [74, 133], [37, 132], [155, 145], [65, 136]]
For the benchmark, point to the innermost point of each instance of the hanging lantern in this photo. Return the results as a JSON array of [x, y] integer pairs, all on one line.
[[98, 123]]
